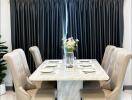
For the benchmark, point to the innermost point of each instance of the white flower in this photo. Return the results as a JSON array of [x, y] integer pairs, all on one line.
[[77, 40], [70, 44]]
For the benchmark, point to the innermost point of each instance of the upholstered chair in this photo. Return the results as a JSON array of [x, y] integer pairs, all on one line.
[[112, 88], [110, 66], [106, 58], [34, 50], [23, 57], [105, 63], [23, 88], [26, 68], [38, 84]]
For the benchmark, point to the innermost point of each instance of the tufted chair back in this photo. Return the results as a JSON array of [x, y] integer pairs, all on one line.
[[117, 69], [106, 58], [17, 69], [23, 57], [36, 55]]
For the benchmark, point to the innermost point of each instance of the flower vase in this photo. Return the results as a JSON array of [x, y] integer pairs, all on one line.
[[69, 59]]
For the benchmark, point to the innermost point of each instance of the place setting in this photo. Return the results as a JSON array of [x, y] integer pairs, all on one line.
[[88, 70], [49, 68], [53, 61]]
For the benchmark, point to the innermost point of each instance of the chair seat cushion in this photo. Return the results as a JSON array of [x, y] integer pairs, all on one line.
[[41, 94], [92, 94]]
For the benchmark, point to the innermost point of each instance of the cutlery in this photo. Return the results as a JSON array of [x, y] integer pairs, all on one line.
[[53, 61], [84, 61], [86, 65], [50, 66], [86, 72], [46, 72]]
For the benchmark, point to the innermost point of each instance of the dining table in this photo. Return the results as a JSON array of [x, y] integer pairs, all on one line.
[[69, 79]]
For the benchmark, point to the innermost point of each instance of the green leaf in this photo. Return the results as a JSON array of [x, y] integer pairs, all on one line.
[[2, 50], [2, 61], [2, 68], [4, 64], [3, 47], [1, 56], [2, 42], [2, 75]]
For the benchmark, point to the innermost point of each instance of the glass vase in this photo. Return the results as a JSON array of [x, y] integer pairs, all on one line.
[[69, 59]]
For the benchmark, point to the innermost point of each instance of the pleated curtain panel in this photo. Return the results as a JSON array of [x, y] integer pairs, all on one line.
[[96, 23]]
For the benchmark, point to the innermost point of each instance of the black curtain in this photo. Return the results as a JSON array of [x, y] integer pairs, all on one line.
[[96, 23]]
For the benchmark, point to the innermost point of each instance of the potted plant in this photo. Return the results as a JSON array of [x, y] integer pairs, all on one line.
[[3, 50]]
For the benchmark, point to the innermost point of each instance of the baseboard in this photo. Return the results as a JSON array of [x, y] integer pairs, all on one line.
[[9, 87], [127, 87]]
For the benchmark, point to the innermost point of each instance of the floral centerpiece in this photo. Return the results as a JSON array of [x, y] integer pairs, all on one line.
[[70, 45]]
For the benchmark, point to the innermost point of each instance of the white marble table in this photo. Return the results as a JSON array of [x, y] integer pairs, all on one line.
[[69, 80]]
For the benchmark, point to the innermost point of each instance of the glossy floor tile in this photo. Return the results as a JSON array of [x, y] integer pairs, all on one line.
[[10, 95]]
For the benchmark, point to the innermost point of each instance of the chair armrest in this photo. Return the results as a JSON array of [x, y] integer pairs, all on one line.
[[22, 94], [114, 94], [30, 84], [105, 85]]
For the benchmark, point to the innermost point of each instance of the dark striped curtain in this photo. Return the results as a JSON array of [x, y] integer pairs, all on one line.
[[38, 22], [96, 23]]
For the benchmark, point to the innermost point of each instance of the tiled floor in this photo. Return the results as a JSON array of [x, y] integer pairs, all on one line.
[[126, 95], [10, 95]]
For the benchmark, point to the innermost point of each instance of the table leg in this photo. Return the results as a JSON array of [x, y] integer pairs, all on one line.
[[69, 90]]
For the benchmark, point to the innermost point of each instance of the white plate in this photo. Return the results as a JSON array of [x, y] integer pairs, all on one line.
[[51, 65], [54, 61], [84, 61], [85, 65], [47, 70]]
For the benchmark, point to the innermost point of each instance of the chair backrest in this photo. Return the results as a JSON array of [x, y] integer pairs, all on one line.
[[17, 69], [36, 55], [107, 55], [117, 68], [23, 57]]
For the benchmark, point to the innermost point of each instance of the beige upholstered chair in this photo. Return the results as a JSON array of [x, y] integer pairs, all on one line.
[[106, 58], [38, 84], [111, 89], [24, 89], [105, 64], [34, 50], [23, 57], [26, 68], [110, 65]]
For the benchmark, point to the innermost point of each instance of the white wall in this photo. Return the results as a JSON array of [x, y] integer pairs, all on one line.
[[6, 33], [128, 37]]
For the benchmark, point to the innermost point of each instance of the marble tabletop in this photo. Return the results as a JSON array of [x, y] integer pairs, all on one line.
[[84, 69]]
